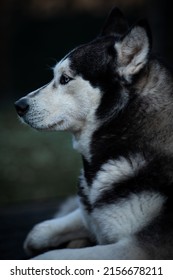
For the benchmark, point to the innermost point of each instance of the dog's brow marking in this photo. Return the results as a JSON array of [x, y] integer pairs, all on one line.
[[62, 67]]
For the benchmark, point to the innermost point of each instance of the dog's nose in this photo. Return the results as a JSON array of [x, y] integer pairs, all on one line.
[[22, 106]]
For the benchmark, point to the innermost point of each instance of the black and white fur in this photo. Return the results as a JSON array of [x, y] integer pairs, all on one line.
[[117, 101]]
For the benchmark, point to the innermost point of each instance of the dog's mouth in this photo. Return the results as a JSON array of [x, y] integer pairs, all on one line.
[[50, 127]]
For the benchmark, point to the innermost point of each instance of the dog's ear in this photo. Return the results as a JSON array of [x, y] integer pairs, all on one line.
[[116, 24], [133, 50]]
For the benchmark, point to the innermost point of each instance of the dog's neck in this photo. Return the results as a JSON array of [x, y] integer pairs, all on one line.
[[82, 139]]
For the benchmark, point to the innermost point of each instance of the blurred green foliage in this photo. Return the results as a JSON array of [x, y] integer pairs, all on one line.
[[34, 165]]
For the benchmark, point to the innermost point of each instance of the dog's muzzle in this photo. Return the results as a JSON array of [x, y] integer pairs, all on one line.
[[22, 106]]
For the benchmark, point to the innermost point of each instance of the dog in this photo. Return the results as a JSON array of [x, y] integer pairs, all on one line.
[[116, 98]]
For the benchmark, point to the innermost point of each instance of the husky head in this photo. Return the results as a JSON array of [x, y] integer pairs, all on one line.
[[91, 81]]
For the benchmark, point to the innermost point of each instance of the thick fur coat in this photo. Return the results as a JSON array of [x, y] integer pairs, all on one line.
[[116, 99]]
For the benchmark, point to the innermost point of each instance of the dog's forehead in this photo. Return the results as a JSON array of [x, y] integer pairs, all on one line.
[[92, 57], [86, 58]]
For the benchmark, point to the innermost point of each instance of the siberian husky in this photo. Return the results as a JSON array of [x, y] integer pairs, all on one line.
[[116, 99]]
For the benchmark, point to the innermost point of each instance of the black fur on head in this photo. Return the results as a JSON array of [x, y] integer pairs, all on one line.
[[114, 59], [118, 51]]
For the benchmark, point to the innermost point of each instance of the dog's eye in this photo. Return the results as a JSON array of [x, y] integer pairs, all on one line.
[[64, 79]]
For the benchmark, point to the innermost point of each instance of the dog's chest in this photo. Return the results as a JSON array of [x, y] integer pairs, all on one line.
[[109, 222]]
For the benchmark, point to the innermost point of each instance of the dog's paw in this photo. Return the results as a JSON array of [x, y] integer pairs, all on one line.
[[39, 238]]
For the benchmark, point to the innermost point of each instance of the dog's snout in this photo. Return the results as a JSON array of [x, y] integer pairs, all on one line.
[[22, 106]]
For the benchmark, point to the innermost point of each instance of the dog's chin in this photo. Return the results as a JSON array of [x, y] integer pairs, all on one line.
[[53, 127], [58, 126]]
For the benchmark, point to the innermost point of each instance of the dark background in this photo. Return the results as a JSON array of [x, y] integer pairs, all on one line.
[[38, 168]]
